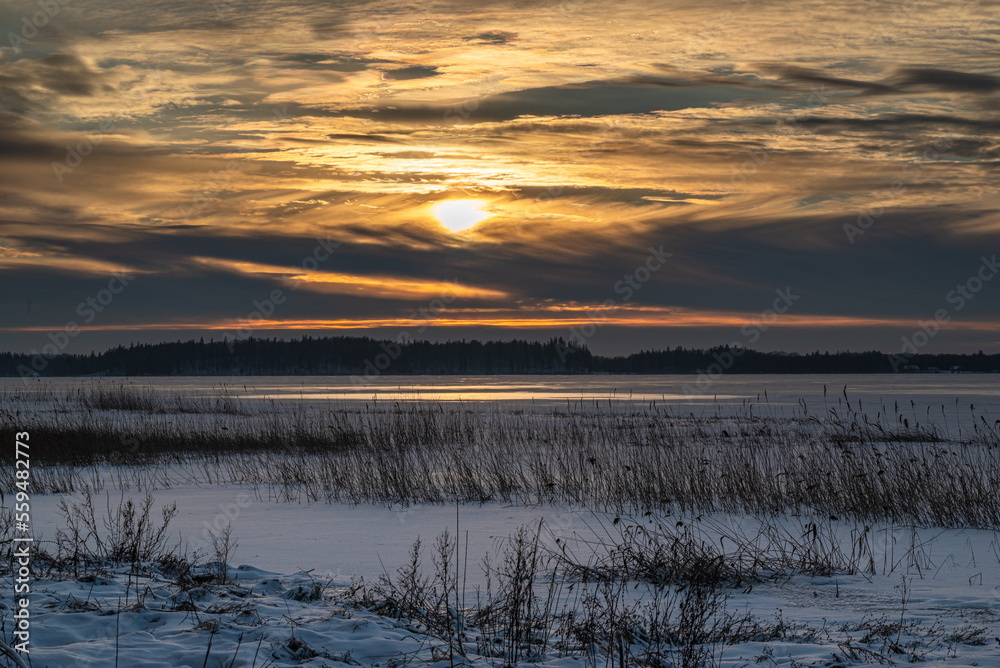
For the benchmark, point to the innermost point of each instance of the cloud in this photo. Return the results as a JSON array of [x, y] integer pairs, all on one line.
[[898, 80], [30, 86], [411, 72], [585, 99], [799, 74], [590, 131], [365, 138], [362, 285], [935, 79], [904, 122], [493, 37], [62, 73]]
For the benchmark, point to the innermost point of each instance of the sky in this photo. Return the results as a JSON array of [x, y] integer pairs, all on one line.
[[817, 175]]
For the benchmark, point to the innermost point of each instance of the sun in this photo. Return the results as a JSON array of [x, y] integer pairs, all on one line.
[[460, 214]]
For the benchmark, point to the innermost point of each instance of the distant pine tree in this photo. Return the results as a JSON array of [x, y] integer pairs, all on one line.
[[364, 356]]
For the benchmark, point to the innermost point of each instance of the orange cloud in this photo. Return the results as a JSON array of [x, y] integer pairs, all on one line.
[[379, 287], [562, 316]]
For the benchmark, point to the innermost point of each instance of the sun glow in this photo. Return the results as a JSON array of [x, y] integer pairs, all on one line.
[[460, 214]]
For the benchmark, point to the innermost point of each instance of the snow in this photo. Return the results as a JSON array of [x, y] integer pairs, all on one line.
[[953, 579], [944, 584], [157, 628]]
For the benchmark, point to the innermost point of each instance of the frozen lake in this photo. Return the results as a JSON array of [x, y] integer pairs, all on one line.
[[951, 393]]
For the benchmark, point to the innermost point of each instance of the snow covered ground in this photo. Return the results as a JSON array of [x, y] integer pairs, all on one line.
[[277, 614], [266, 619]]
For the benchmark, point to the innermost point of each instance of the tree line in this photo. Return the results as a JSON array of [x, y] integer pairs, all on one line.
[[369, 357]]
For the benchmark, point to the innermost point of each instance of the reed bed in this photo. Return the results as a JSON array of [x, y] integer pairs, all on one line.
[[842, 461]]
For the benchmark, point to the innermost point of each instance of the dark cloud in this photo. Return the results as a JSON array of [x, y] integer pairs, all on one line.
[[21, 143], [583, 195], [337, 62], [899, 81], [411, 155], [810, 76], [300, 140], [15, 144], [62, 73], [945, 80], [902, 122], [590, 99], [412, 72], [29, 87], [493, 37], [372, 138]]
